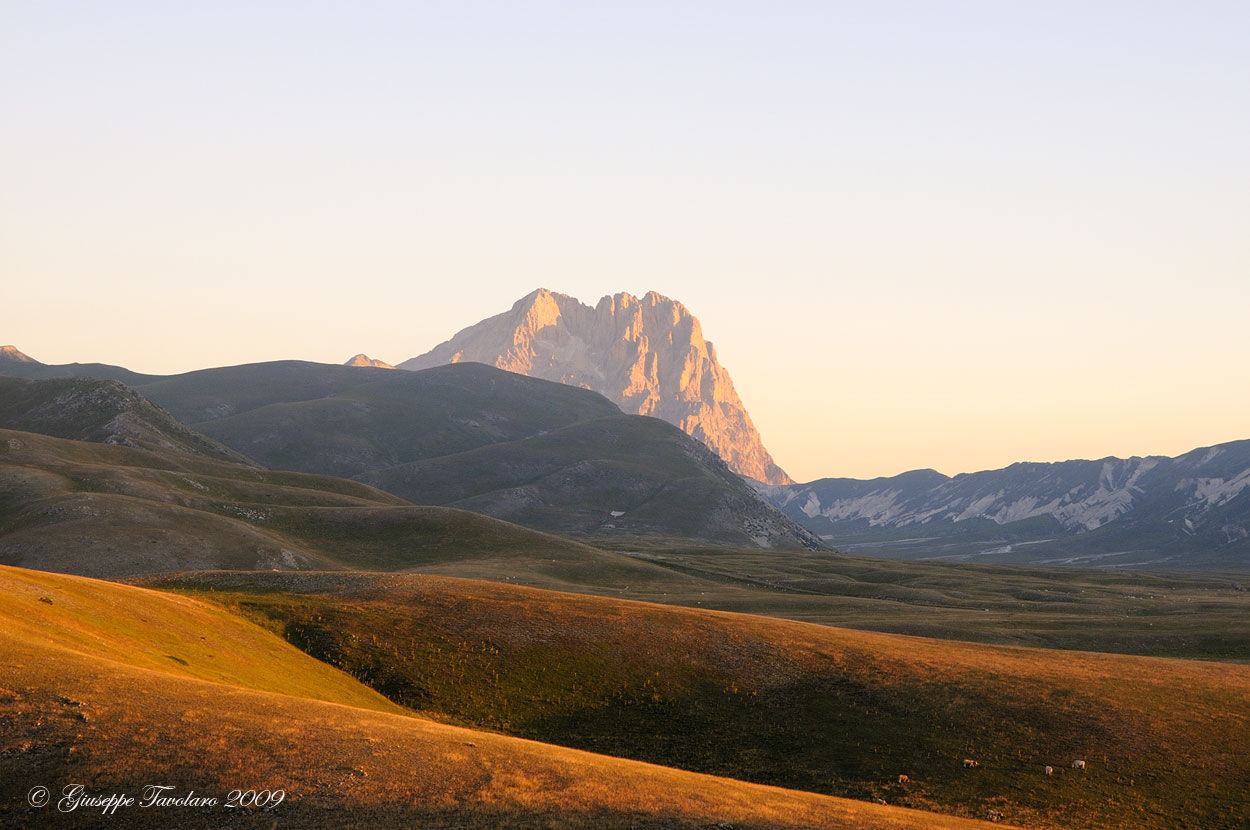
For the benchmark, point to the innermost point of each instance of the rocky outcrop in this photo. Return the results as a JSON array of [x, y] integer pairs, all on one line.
[[364, 360], [103, 412], [646, 354]]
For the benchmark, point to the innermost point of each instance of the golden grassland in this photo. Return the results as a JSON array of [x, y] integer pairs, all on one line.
[[805, 706], [1191, 614], [114, 687]]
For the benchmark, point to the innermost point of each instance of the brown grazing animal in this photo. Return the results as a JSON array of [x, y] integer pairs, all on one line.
[[903, 779]]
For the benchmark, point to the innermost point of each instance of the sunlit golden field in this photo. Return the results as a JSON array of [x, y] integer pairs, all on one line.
[[272, 717]]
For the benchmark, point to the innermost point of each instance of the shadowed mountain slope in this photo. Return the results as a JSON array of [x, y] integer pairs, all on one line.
[[375, 425], [541, 454], [625, 478], [341, 420]]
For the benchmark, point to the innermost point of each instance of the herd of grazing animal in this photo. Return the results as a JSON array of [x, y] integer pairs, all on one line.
[[1079, 764], [1046, 770], [969, 763]]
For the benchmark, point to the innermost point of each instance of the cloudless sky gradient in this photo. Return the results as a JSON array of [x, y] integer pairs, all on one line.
[[920, 234]]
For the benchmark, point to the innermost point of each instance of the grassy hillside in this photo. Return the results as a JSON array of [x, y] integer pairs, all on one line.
[[624, 477], [114, 687], [102, 411], [111, 511], [164, 633], [784, 703], [1164, 614], [344, 420]]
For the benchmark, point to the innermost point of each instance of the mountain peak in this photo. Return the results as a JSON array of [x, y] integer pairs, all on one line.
[[542, 308], [363, 359], [647, 355], [12, 353]]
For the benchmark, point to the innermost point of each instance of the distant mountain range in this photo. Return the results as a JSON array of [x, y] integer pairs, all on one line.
[[1193, 510], [647, 355]]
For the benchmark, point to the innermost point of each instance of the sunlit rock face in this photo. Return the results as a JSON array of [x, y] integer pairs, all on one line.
[[647, 354], [12, 353], [366, 361]]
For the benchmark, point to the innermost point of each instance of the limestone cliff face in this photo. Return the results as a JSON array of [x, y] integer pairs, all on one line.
[[647, 354]]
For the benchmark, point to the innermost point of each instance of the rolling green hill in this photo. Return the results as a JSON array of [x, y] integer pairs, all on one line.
[[111, 511]]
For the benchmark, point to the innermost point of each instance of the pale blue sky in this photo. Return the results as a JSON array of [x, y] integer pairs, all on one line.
[[937, 234]]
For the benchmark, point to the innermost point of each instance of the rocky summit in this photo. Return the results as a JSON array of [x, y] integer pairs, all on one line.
[[12, 353], [647, 355], [366, 361]]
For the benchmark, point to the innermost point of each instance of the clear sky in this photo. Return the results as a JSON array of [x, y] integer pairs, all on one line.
[[920, 234]]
